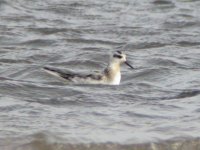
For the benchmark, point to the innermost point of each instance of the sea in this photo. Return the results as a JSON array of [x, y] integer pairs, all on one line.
[[155, 107]]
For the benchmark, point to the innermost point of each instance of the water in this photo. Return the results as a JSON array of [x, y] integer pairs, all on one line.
[[156, 106]]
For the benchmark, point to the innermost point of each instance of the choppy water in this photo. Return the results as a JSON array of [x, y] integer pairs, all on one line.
[[158, 102]]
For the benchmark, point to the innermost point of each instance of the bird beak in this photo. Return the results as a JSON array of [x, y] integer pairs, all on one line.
[[127, 63]]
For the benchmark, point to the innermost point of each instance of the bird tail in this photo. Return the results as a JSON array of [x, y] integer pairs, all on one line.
[[58, 73]]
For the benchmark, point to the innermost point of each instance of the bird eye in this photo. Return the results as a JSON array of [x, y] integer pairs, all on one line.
[[117, 56]]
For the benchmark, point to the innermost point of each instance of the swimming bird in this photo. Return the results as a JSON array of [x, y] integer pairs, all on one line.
[[111, 75]]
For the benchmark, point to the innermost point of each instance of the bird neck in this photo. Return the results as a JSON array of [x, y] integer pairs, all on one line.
[[113, 73], [112, 69], [114, 66]]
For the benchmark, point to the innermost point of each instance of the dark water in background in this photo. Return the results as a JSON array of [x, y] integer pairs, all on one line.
[[157, 102]]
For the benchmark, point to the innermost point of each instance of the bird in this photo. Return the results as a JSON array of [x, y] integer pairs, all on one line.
[[111, 75]]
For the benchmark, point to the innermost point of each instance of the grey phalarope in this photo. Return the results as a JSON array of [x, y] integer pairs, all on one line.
[[110, 76]]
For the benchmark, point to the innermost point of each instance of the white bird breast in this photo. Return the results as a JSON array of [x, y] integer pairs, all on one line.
[[117, 79]]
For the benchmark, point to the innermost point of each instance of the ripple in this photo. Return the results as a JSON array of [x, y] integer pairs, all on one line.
[[163, 2], [188, 93], [180, 24], [14, 61], [167, 62], [92, 41], [49, 31], [39, 42], [188, 43], [146, 45]]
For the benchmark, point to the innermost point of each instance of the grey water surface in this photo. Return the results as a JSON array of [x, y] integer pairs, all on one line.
[[157, 105]]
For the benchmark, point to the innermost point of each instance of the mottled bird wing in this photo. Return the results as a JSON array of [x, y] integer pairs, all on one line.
[[69, 75]]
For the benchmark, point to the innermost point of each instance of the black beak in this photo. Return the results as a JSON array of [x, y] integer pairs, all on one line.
[[127, 63]]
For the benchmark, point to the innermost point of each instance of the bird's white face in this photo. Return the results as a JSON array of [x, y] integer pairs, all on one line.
[[120, 57]]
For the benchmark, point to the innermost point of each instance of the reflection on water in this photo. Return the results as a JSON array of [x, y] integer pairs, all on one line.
[[42, 142]]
